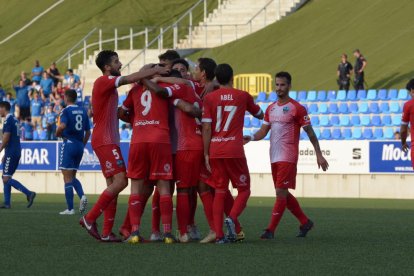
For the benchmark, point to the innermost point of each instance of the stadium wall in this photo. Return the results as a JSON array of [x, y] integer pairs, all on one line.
[[358, 169]]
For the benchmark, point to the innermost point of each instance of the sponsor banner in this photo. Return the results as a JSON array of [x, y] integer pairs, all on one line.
[[344, 157], [90, 161], [388, 157]]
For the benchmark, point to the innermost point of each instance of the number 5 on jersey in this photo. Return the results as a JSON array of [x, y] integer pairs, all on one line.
[[232, 111]]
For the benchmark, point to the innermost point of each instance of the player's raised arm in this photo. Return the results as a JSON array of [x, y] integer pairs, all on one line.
[[173, 80], [146, 73], [160, 91], [254, 108], [322, 163], [188, 108]]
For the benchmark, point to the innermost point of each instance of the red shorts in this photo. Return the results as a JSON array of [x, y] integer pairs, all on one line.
[[111, 160], [187, 167], [284, 175], [225, 169], [151, 161]]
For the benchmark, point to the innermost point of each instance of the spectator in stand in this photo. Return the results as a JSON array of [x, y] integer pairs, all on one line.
[[71, 79], [37, 72], [12, 101], [35, 86], [59, 104], [59, 90], [36, 109], [46, 85], [23, 77], [27, 130], [360, 64], [54, 73], [2, 94], [344, 73], [23, 101], [79, 92], [50, 118], [397, 135]]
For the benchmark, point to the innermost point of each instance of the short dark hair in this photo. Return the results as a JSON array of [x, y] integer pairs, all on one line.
[[209, 66], [169, 55], [410, 85], [181, 61], [71, 95], [357, 51], [345, 55], [224, 73], [5, 104], [104, 58], [284, 75], [175, 74], [70, 70]]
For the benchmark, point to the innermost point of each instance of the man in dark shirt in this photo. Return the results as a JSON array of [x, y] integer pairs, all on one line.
[[54, 73], [344, 73], [360, 64]]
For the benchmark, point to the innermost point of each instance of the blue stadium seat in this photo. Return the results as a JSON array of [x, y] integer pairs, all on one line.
[[331, 95], [322, 96], [376, 120], [353, 108], [267, 137], [347, 134], [395, 107], [335, 120], [355, 120], [247, 131], [311, 97], [372, 95], [293, 95], [365, 120], [368, 134], [386, 120], [392, 94], [317, 132], [378, 134], [382, 94], [306, 107], [247, 121], [315, 120], [357, 134], [326, 134], [272, 97], [333, 108], [341, 96], [313, 108], [302, 96], [303, 135], [36, 135], [261, 97], [361, 95], [263, 106], [336, 134], [351, 95], [374, 108], [121, 99], [403, 94], [396, 120], [388, 133], [385, 108], [324, 120], [363, 108], [344, 121], [343, 108], [323, 108], [256, 122], [124, 135]]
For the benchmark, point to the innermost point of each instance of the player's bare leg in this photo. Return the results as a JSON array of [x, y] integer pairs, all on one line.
[[277, 213], [166, 209], [206, 195]]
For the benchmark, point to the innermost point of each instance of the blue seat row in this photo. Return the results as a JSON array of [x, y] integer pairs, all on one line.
[[353, 107], [352, 134], [356, 120]]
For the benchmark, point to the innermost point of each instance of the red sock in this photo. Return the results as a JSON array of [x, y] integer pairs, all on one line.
[[127, 223], [109, 217], [218, 210], [166, 209], [103, 202], [135, 211], [277, 213], [294, 208], [193, 206], [183, 211], [156, 215], [228, 203], [207, 199]]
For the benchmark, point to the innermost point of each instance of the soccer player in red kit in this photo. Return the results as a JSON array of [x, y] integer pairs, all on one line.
[[284, 118], [408, 118], [204, 77], [105, 140], [223, 118]]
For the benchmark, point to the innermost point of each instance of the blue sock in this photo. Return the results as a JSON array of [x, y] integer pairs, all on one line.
[[7, 193], [69, 195], [19, 186], [78, 187]]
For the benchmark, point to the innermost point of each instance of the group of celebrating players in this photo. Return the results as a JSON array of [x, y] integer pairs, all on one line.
[[188, 134]]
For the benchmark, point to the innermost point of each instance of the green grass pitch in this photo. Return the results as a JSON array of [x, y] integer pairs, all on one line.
[[352, 236]]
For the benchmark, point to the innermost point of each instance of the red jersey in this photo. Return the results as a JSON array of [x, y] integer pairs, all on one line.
[[104, 106], [188, 127], [408, 116], [285, 122], [150, 123], [198, 88], [225, 109]]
